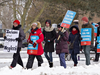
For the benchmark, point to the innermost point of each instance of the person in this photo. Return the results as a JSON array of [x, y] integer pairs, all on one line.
[[98, 33], [16, 56], [62, 45], [35, 31], [49, 37], [75, 39], [86, 48]]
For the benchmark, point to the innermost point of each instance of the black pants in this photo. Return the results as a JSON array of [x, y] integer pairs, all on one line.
[[17, 58], [31, 60], [96, 54]]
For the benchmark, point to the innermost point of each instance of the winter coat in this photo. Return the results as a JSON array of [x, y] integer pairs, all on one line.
[[21, 35], [89, 26], [49, 34], [76, 45], [62, 45], [39, 41]]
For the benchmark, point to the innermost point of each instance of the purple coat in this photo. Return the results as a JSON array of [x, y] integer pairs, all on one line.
[[62, 46]]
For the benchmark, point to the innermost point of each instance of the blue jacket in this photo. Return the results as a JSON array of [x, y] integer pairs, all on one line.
[[77, 42]]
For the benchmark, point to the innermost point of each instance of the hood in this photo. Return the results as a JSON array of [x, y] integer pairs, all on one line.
[[48, 21], [75, 26]]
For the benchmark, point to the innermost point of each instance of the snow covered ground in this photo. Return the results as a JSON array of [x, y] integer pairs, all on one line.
[[81, 69], [93, 69]]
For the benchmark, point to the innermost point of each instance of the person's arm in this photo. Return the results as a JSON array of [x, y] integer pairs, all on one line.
[[41, 38], [22, 35], [92, 40], [66, 36], [69, 39], [54, 35], [29, 38]]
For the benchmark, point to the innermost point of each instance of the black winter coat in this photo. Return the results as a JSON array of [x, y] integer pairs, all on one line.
[[77, 42], [49, 35]]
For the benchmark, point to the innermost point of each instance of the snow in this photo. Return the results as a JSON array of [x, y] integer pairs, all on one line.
[[81, 69]]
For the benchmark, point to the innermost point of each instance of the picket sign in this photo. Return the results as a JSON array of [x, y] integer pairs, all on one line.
[[95, 29], [31, 49], [98, 45], [10, 44], [86, 36], [67, 20]]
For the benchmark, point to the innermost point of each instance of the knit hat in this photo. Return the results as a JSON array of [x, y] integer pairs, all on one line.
[[17, 21], [85, 19], [34, 24]]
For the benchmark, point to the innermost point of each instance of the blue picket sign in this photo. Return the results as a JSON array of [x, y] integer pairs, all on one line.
[[30, 46]]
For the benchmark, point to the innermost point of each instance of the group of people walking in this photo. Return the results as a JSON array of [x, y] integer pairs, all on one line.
[[68, 42]]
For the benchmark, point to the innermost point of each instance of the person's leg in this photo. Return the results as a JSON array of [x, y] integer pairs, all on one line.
[[15, 58], [47, 57], [39, 59], [96, 57], [50, 55], [72, 55], [75, 60], [62, 58], [87, 55], [51, 59], [30, 61], [20, 62]]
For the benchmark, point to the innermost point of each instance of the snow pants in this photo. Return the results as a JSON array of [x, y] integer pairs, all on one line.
[[31, 60], [17, 59], [62, 59], [87, 54]]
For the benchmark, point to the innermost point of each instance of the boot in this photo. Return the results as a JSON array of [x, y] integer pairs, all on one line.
[[51, 64], [39, 65], [75, 64]]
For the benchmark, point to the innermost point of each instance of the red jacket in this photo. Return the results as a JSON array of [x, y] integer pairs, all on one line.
[[39, 41]]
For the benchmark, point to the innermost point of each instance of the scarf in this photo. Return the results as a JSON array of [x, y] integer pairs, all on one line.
[[48, 29], [74, 32], [33, 30], [16, 28]]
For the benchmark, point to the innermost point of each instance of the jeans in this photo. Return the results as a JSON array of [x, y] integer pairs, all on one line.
[[49, 58], [87, 54], [62, 59]]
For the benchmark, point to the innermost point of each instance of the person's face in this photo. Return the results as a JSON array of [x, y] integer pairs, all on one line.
[[15, 24], [47, 24], [74, 29], [84, 22], [59, 28], [34, 26]]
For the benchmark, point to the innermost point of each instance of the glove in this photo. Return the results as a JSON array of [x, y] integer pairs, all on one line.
[[48, 40], [34, 44], [5, 37], [61, 34], [97, 42], [68, 42], [81, 38], [30, 41], [91, 46], [57, 41], [18, 39]]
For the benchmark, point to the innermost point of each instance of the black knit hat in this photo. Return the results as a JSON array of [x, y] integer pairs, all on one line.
[[59, 25]]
